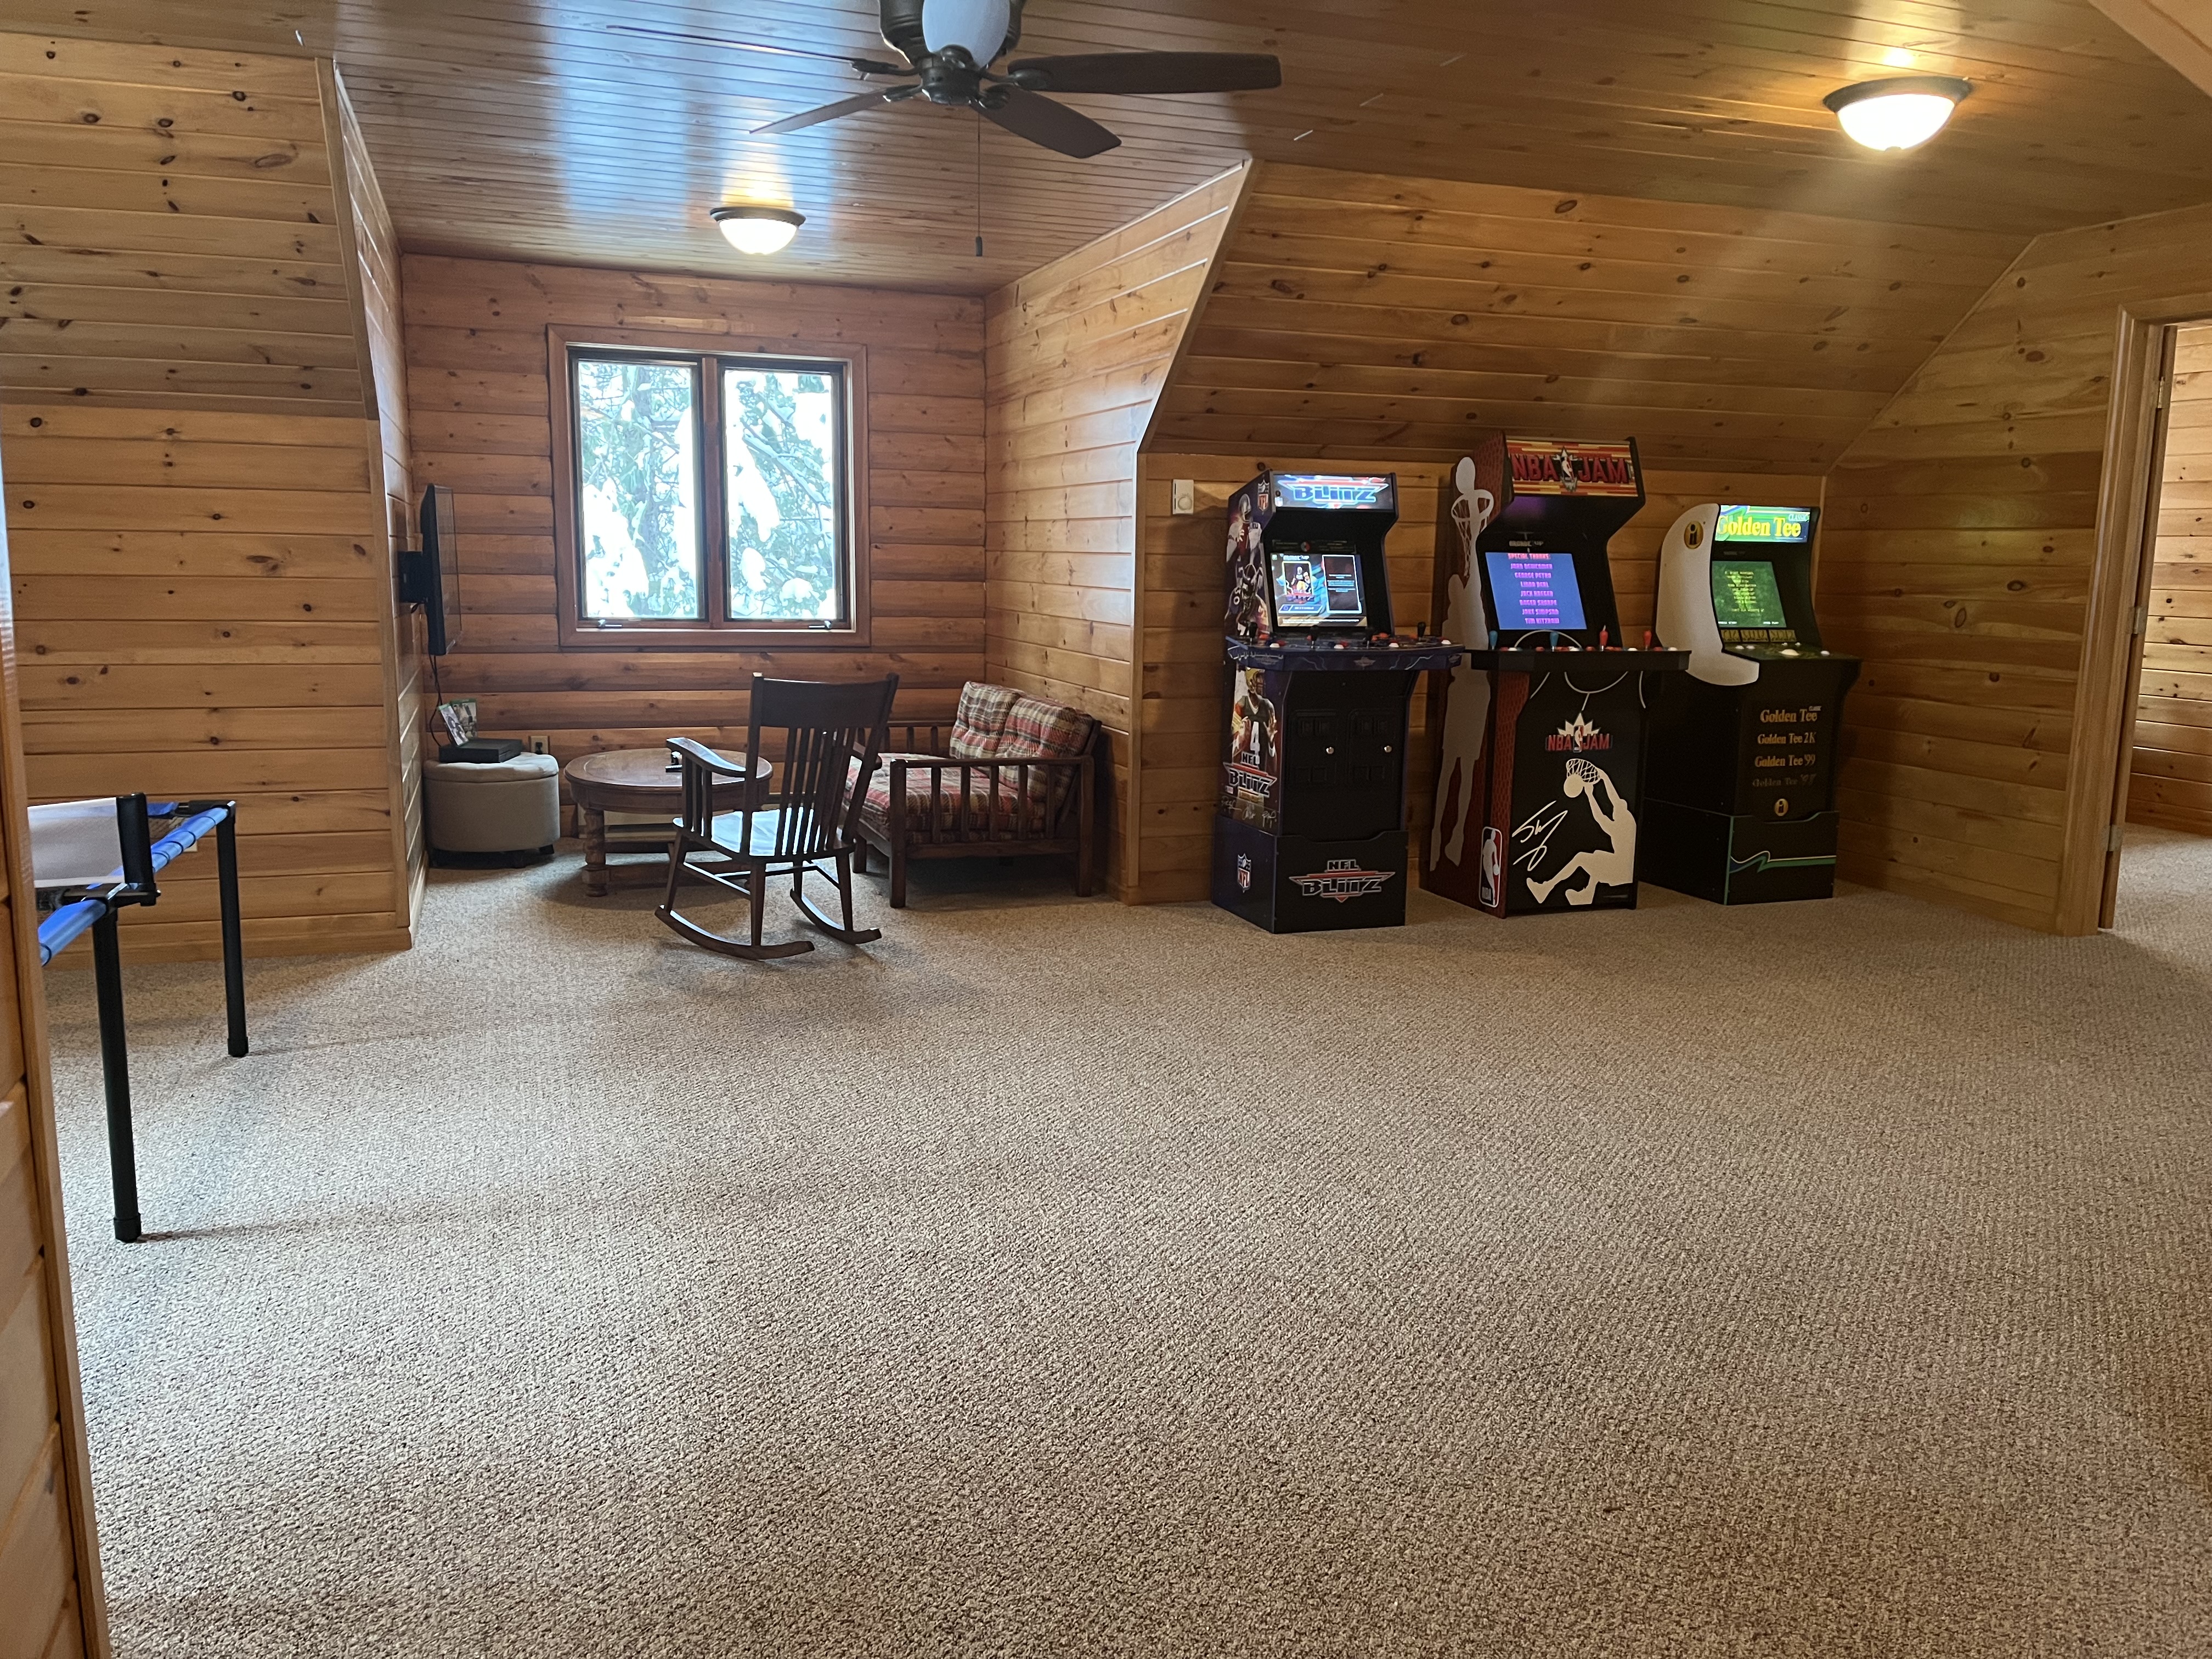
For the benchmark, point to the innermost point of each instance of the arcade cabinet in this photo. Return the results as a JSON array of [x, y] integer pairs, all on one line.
[[1541, 733], [1310, 827], [1742, 777]]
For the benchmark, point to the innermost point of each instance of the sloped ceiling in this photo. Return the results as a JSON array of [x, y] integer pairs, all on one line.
[[1355, 315], [516, 128], [2179, 31]]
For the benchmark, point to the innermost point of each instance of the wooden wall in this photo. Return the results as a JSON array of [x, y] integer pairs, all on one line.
[[202, 573], [382, 347], [1183, 571], [1078, 353], [2171, 779], [1960, 539], [481, 422], [50, 1605], [1356, 316]]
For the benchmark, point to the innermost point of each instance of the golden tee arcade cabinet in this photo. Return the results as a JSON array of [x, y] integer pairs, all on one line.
[[1742, 778], [1310, 827], [1541, 735]]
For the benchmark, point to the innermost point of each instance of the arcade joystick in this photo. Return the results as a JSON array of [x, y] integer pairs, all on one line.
[[1602, 634]]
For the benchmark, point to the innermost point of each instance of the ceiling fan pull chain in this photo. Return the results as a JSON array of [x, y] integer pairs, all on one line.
[[979, 184]]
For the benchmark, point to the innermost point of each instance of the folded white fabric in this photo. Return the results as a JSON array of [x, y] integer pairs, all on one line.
[[74, 844]]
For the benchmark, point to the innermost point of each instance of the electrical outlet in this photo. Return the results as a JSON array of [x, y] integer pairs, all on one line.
[[1184, 495], [540, 743]]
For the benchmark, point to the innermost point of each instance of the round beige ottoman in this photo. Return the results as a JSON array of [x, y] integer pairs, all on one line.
[[511, 807]]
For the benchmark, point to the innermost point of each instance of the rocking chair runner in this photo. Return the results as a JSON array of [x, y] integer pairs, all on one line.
[[810, 819]]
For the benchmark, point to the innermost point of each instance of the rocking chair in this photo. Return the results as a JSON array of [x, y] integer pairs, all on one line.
[[832, 735]]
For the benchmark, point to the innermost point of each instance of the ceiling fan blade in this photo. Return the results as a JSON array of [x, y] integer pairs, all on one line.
[[1150, 71], [865, 65], [828, 112], [1043, 121]]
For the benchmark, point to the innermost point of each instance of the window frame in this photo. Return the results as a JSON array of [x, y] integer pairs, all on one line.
[[710, 349]]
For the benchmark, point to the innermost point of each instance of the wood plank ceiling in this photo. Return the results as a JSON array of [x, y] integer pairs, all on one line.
[[515, 129]]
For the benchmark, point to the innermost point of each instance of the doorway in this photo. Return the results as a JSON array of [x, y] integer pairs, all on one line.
[[2165, 797]]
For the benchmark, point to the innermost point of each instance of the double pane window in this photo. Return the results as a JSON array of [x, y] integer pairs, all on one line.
[[711, 492]]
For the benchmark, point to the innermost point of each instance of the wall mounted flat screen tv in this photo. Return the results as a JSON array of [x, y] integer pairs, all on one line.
[[432, 578]]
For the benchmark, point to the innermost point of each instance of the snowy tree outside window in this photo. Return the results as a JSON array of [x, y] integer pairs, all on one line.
[[665, 446], [637, 466], [780, 444]]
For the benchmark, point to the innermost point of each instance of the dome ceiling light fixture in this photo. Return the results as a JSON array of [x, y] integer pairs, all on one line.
[[1898, 112], [758, 229]]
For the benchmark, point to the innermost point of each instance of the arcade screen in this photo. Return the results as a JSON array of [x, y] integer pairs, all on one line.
[[1535, 590], [1745, 594], [1318, 586]]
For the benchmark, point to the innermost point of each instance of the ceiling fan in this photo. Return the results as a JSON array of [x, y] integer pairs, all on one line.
[[949, 46]]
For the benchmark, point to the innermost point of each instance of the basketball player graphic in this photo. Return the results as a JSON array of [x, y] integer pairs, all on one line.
[[1610, 867], [1466, 697]]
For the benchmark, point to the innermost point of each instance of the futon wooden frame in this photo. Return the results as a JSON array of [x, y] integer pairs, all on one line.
[[1066, 825]]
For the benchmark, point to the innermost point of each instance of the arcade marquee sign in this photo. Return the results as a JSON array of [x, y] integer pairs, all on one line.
[[1541, 466], [1341, 879]]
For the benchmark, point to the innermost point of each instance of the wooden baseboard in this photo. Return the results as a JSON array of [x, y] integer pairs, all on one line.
[[2169, 817], [1952, 892], [283, 936]]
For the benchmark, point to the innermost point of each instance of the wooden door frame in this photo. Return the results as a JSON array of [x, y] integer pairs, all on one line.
[[2104, 697], [44, 1154]]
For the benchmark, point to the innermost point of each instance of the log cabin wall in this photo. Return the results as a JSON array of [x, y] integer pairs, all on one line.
[[1184, 600], [481, 422], [382, 346], [50, 1604], [1957, 556], [2170, 782], [194, 438], [1079, 351], [1358, 321]]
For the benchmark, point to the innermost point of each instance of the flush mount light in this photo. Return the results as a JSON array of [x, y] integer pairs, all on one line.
[[979, 28], [758, 229], [1898, 113]]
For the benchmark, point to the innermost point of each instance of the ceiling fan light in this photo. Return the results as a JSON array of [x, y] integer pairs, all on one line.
[[979, 28], [1899, 112], [758, 229]]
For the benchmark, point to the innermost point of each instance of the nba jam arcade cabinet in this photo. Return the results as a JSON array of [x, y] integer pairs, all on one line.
[[1310, 827], [1742, 779], [1541, 734]]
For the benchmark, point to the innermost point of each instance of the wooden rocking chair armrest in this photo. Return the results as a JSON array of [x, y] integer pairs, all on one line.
[[691, 751]]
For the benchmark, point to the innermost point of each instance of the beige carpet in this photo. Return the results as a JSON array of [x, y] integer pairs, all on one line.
[[1059, 1279]]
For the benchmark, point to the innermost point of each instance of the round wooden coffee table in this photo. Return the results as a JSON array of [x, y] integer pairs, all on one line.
[[640, 780]]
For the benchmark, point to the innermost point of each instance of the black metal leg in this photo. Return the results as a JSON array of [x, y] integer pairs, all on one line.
[[115, 1062], [233, 938]]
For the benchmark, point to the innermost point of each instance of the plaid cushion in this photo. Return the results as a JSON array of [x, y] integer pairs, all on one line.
[[981, 720], [1037, 730], [986, 816]]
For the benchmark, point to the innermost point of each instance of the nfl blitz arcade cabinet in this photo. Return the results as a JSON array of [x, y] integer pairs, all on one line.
[[1543, 732], [1742, 777], [1309, 832]]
